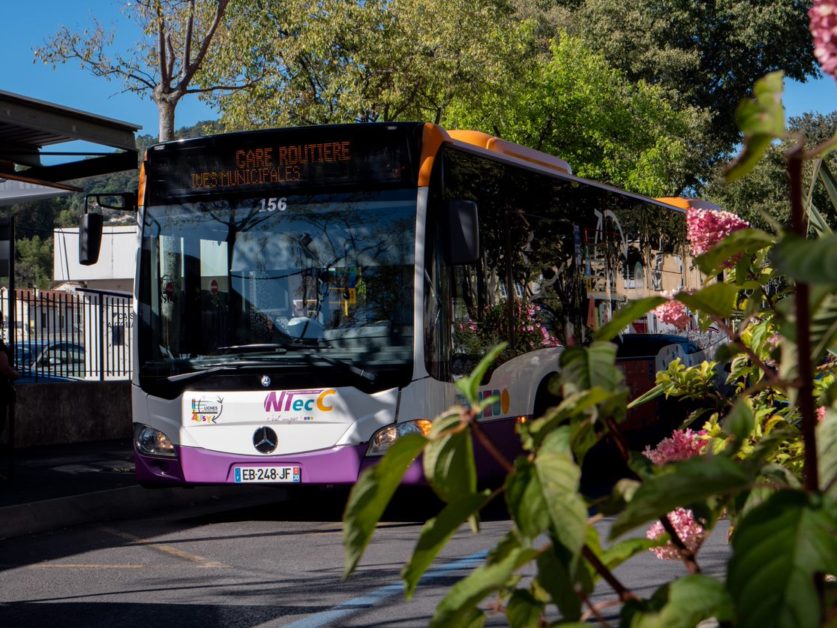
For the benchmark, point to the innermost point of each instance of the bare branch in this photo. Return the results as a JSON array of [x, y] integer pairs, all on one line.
[[165, 78], [189, 71], [187, 44]]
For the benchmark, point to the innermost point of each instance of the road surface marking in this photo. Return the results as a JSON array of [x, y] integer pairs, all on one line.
[[169, 550], [365, 602], [85, 566]]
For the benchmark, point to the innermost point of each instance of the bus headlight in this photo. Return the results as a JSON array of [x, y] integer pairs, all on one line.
[[153, 442], [386, 436]]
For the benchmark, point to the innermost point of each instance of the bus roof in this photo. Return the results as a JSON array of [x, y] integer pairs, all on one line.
[[688, 203]]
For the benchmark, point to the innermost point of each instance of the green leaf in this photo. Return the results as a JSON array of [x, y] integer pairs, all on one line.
[[435, 534], [718, 299], [830, 184], [740, 421], [371, 494], [523, 610], [524, 498], [583, 368], [648, 395], [626, 549], [469, 386], [808, 261], [448, 461], [680, 484], [743, 241], [777, 548], [494, 574], [762, 120], [827, 454], [559, 480], [684, 603], [626, 315], [555, 575], [823, 324]]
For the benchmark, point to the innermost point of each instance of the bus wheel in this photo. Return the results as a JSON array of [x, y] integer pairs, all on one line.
[[545, 398]]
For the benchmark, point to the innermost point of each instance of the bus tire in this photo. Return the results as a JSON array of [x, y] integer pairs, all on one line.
[[545, 398]]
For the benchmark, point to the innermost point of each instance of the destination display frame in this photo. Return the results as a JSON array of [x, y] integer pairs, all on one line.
[[339, 157]]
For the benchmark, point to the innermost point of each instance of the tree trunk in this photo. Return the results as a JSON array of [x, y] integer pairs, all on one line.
[[166, 110]]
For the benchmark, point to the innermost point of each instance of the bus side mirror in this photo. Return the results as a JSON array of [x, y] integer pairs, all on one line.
[[463, 245], [90, 227], [89, 238]]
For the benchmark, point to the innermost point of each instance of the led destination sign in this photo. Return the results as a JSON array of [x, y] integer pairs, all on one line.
[[263, 166], [320, 157]]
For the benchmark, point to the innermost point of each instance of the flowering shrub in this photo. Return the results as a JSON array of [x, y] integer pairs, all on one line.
[[772, 468], [707, 227], [823, 16], [673, 313], [689, 531], [682, 445]]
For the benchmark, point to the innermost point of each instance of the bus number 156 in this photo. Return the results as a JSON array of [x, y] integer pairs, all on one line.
[[274, 203]]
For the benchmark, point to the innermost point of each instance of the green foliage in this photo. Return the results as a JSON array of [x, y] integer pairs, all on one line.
[[682, 604], [777, 548]]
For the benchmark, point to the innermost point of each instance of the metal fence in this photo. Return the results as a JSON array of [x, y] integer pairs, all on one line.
[[59, 335]]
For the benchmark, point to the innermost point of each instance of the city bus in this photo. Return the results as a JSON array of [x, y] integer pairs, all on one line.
[[306, 296]]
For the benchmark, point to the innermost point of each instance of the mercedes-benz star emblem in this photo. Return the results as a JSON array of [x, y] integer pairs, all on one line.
[[265, 440], [265, 381]]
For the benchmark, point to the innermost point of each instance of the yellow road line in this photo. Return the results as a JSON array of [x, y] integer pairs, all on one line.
[[85, 566], [169, 550]]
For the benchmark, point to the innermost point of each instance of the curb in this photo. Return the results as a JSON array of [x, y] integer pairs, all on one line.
[[121, 503]]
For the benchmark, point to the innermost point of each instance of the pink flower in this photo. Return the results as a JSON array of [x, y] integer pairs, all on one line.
[[823, 16], [682, 445], [690, 532], [673, 313], [821, 414], [707, 227]]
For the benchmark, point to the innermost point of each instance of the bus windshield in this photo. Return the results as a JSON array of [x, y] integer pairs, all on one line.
[[283, 282]]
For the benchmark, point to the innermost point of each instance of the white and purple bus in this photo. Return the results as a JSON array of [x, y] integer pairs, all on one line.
[[305, 296]]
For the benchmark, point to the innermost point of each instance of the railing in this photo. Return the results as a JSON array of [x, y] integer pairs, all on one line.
[[60, 336]]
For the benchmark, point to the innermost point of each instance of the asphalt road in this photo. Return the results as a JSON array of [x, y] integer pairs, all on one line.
[[266, 565]]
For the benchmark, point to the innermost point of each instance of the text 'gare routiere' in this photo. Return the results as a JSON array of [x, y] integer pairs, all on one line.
[[259, 166]]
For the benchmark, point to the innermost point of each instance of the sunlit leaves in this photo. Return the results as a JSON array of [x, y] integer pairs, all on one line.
[[777, 548]]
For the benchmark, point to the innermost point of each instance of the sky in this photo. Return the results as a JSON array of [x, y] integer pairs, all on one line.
[[27, 24]]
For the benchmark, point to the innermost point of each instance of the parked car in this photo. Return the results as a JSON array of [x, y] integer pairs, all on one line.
[[56, 360]]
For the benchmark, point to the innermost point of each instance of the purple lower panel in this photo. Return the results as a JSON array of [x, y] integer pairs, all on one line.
[[340, 465]]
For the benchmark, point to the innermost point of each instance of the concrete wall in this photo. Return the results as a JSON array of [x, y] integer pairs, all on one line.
[[74, 412]]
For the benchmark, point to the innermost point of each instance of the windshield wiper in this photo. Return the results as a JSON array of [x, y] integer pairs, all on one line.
[[192, 376], [272, 347], [363, 374]]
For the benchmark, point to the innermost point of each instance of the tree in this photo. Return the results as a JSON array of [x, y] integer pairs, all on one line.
[[762, 197], [571, 102], [706, 53], [377, 60], [180, 36]]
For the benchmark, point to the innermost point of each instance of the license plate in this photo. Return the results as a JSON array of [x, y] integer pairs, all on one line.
[[244, 475]]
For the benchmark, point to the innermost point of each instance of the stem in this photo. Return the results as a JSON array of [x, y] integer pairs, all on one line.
[[622, 591], [686, 554], [803, 338]]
